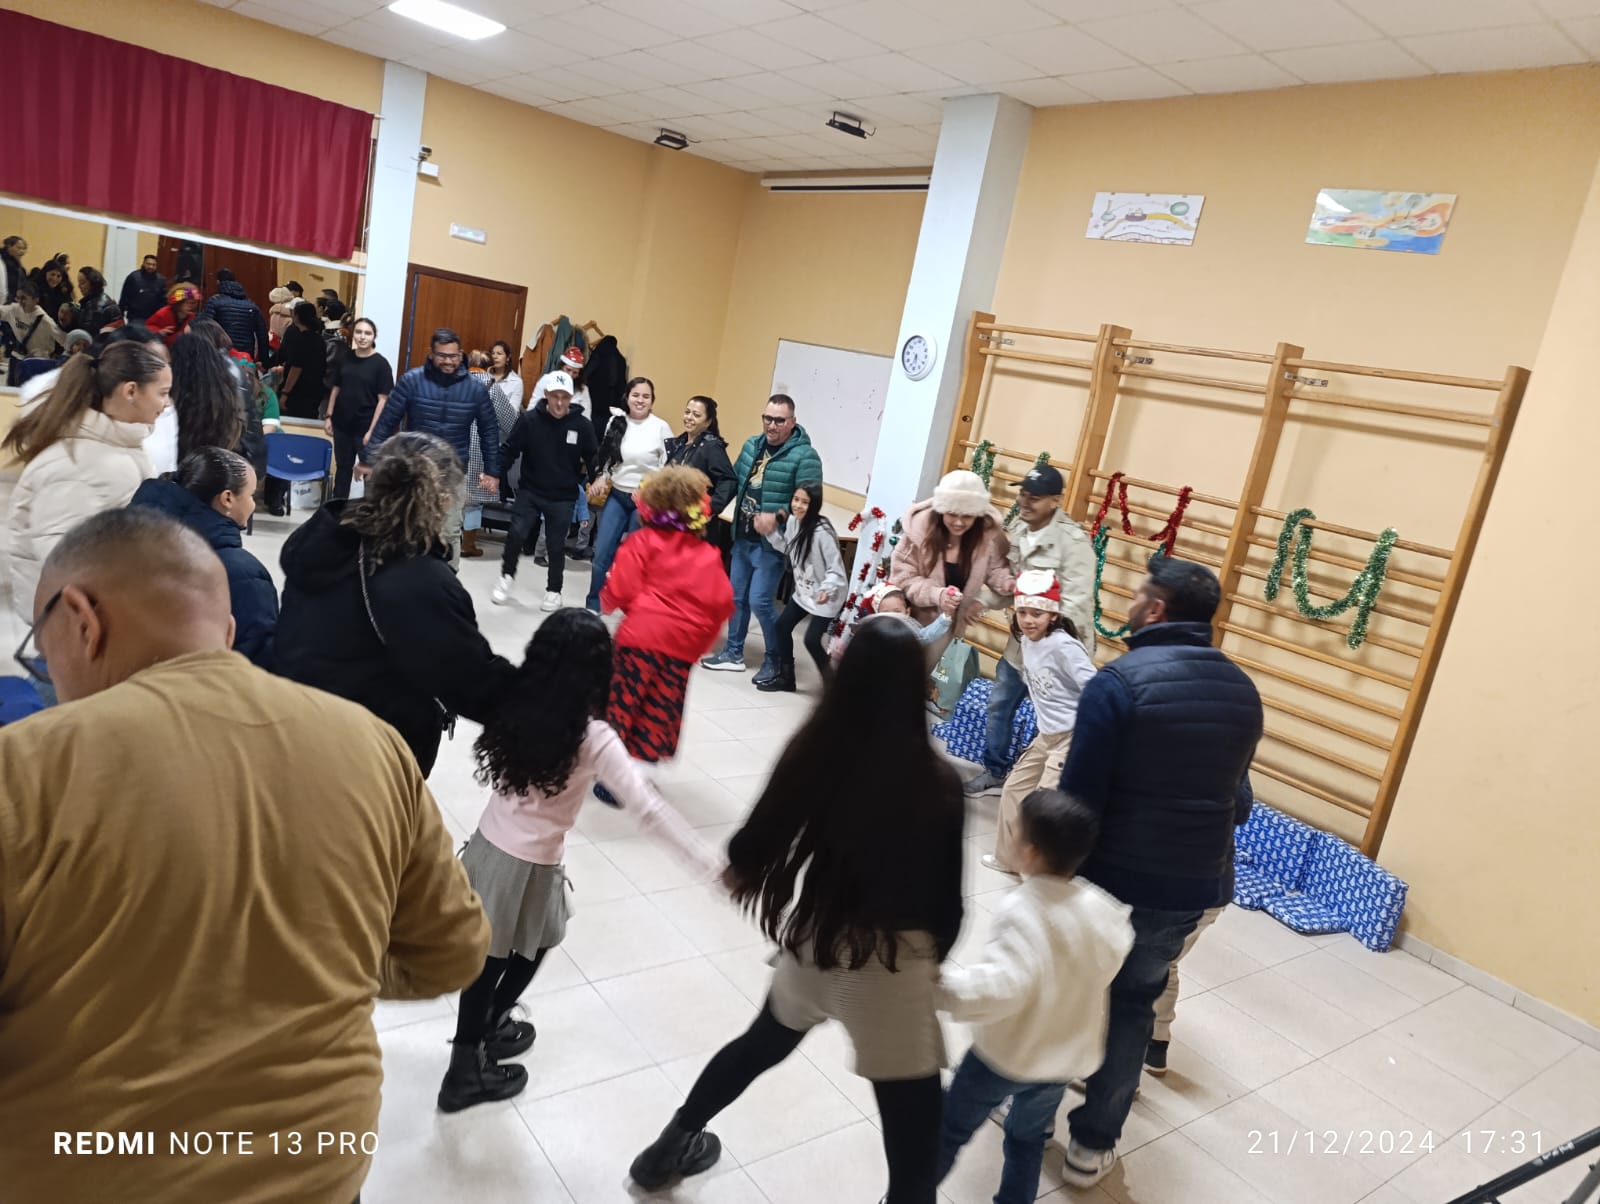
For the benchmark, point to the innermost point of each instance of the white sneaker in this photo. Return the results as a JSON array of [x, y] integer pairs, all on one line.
[[552, 601], [1085, 1167], [991, 862], [502, 592]]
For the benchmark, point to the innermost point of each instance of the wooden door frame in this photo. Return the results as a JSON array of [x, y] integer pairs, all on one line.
[[408, 305]]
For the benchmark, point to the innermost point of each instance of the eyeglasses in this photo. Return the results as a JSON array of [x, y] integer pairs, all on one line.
[[769, 420], [33, 665], [447, 356]]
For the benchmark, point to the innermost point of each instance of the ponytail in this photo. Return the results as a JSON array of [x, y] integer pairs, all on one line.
[[85, 382]]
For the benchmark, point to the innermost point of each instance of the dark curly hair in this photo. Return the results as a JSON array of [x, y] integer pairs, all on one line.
[[530, 745]]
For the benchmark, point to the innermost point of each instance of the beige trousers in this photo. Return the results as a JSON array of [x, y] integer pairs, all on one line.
[[1039, 765], [1167, 1005]]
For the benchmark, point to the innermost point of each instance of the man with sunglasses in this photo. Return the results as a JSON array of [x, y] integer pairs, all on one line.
[[206, 872], [768, 469]]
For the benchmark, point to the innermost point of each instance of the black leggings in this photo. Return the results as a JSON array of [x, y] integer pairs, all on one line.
[[815, 630], [499, 986], [909, 1108]]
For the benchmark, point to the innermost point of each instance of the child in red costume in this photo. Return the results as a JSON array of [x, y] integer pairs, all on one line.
[[669, 584]]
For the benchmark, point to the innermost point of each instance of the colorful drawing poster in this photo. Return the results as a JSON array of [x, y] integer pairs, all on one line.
[[1381, 221], [1169, 217]]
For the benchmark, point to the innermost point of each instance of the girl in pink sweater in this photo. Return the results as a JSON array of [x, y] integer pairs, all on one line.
[[540, 754]]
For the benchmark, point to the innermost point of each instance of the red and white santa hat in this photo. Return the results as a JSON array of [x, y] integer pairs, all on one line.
[[572, 357], [1038, 589]]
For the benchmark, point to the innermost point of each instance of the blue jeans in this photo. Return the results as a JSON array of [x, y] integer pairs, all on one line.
[[974, 1093], [617, 518], [1157, 941], [1007, 695], [756, 571], [580, 512]]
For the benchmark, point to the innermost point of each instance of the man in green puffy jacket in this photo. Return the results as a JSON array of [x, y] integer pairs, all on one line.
[[768, 469]]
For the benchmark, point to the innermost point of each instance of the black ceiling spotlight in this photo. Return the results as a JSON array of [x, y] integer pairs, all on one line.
[[846, 124], [672, 140]]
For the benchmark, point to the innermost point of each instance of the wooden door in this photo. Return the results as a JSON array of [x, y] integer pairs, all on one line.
[[480, 311], [258, 273]]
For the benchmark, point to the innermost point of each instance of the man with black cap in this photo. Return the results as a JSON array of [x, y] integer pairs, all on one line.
[[1043, 536]]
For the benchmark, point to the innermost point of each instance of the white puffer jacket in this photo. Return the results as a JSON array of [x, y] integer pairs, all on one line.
[[95, 469]]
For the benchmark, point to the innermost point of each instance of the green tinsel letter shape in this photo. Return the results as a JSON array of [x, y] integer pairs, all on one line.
[[1363, 592]]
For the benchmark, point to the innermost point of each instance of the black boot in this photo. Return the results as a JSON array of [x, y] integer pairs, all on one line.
[[782, 679], [509, 1037], [677, 1153], [474, 1079]]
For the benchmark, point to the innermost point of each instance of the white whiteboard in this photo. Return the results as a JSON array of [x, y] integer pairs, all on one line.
[[838, 397]]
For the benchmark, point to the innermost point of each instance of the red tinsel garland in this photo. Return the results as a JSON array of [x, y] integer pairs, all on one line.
[[1117, 490]]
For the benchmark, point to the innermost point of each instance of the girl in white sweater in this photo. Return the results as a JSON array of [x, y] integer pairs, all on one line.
[[1056, 668], [634, 446]]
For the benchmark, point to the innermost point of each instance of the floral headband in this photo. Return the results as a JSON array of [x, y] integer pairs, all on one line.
[[695, 520]]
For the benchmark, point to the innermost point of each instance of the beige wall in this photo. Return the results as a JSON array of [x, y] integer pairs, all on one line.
[[826, 269], [1521, 150], [84, 242], [1496, 828]]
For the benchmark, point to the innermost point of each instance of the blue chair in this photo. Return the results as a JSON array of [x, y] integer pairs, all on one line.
[[32, 366], [300, 458]]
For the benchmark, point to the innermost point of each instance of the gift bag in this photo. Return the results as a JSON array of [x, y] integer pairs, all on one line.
[[954, 672]]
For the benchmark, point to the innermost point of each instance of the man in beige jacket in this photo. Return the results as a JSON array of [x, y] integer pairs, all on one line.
[[207, 874]]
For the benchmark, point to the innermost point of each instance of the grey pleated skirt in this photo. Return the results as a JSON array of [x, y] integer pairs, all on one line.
[[526, 903], [889, 1015]]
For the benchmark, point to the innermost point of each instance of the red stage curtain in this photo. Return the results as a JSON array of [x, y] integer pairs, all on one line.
[[110, 126]]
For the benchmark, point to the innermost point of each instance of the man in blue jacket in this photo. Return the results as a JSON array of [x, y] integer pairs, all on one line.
[[230, 307], [1162, 746], [442, 399]]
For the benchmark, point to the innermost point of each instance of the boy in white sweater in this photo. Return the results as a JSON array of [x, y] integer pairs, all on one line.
[[1038, 999]]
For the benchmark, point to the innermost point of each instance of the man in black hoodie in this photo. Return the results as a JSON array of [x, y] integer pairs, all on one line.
[[557, 446], [231, 308]]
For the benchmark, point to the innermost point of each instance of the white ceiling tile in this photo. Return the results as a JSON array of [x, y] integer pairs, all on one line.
[[1350, 63], [650, 68], [836, 82], [1496, 49], [1404, 18], [894, 23], [747, 12], [973, 62], [1047, 93], [1127, 83], [752, 47], [821, 37], [1168, 37], [897, 73], [708, 64], [899, 109], [1235, 73], [709, 129], [1073, 11], [597, 29], [351, 9], [469, 69], [750, 125], [1563, 10], [1276, 25], [552, 87], [819, 6], [291, 14], [594, 111], [643, 131], [795, 119], [603, 74], [1586, 32], [513, 89], [511, 12], [1060, 51], [901, 138], [985, 17], [670, 102], [675, 16], [520, 50], [728, 95], [369, 41]]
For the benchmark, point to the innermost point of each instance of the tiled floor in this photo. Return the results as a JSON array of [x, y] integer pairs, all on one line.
[[1380, 1061]]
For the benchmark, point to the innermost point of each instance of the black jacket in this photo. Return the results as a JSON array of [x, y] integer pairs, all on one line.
[[51, 299], [556, 452], [709, 454], [230, 307], [251, 591], [142, 295], [1161, 749], [14, 278], [605, 375], [431, 653], [97, 311]]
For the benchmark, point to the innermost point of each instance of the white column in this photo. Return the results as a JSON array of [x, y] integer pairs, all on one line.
[[964, 227], [121, 257], [394, 191]]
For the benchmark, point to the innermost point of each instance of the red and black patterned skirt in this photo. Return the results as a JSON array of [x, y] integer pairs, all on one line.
[[646, 708]]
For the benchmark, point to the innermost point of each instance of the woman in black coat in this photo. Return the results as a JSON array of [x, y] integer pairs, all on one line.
[[96, 309], [373, 612], [214, 493], [702, 446]]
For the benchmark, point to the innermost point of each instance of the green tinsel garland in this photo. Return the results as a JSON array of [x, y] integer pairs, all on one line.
[[1363, 592], [1039, 461], [983, 460], [1102, 538]]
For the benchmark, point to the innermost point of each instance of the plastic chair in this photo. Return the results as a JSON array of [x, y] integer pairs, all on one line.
[[300, 458], [35, 365]]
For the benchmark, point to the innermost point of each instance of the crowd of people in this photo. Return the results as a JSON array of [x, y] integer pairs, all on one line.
[[302, 847]]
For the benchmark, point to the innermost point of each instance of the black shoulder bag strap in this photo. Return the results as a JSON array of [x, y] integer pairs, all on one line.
[[447, 721]]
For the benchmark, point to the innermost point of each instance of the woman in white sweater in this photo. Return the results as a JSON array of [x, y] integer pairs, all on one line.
[[633, 447], [82, 448], [812, 546]]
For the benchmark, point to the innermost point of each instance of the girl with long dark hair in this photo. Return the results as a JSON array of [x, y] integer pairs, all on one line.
[[205, 393], [633, 446], [540, 752], [702, 446], [851, 862], [811, 544], [362, 382], [96, 309]]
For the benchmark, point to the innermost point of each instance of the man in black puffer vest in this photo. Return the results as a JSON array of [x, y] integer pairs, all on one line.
[[230, 307], [1162, 746]]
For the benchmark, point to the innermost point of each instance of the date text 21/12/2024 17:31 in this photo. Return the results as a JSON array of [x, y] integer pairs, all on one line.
[[1392, 1141]]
